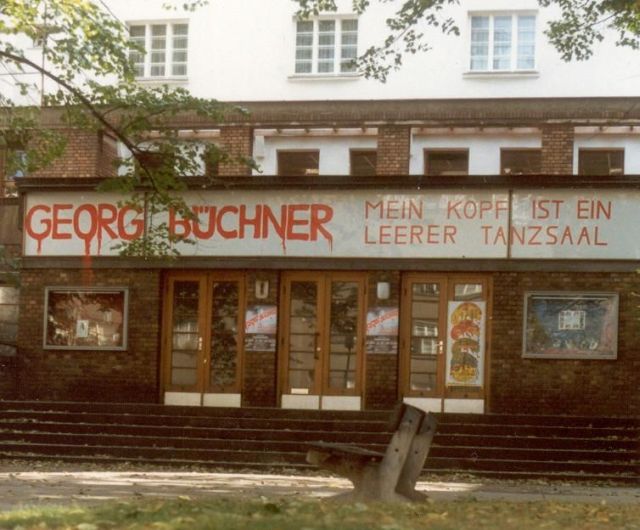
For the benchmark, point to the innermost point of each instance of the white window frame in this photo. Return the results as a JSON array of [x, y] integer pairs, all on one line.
[[168, 49], [337, 46], [513, 64]]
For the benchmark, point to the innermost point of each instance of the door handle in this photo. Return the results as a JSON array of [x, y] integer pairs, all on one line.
[[316, 345], [200, 343]]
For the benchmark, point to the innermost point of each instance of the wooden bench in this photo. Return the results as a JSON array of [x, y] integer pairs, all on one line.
[[390, 476]]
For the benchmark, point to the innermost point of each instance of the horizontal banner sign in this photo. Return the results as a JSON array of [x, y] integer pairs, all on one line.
[[553, 224]]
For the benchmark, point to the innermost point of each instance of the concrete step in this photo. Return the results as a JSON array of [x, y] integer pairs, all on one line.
[[515, 446]]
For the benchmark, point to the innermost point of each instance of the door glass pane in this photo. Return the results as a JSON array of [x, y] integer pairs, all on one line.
[[185, 332], [343, 335], [425, 336], [303, 336], [224, 334], [468, 291]]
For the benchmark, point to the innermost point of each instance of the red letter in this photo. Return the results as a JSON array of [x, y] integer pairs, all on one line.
[[46, 223], [320, 215], [57, 221]]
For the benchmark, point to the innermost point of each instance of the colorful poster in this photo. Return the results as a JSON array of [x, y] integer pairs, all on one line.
[[382, 330], [261, 319], [260, 328], [571, 325], [466, 322], [382, 321]]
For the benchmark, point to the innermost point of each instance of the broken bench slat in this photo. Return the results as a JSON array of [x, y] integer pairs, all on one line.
[[391, 476]]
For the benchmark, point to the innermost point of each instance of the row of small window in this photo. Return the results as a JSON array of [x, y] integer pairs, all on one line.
[[455, 162], [326, 46]]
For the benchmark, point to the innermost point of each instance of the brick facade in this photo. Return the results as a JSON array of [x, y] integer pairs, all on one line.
[[76, 375], [583, 387], [394, 143], [557, 149]]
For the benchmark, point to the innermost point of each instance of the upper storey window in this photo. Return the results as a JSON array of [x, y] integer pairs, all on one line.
[[504, 42], [165, 47], [600, 162], [326, 46]]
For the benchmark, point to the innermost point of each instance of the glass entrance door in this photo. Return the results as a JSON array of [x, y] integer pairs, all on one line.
[[322, 340], [443, 339], [202, 353]]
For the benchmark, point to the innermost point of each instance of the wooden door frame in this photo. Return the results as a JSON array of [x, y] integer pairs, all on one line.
[[323, 306], [286, 279], [405, 333], [226, 276], [446, 295], [167, 330], [206, 280], [361, 279]]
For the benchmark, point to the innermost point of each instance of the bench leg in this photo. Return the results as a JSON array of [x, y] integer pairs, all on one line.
[[415, 460]]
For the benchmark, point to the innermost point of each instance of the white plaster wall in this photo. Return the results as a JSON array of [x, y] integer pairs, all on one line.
[[334, 151], [484, 149], [629, 142], [244, 50]]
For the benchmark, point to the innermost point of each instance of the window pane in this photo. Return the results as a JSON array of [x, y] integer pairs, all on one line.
[[520, 161], [526, 42], [185, 332], [8, 320], [137, 36], [180, 45], [502, 43], [158, 47], [467, 291], [225, 334], [363, 163], [601, 162], [303, 335], [425, 311], [298, 163], [479, 43], [327, 26], [343, 335], [446, 163], [304, 47], [349, 45], [326, 46]]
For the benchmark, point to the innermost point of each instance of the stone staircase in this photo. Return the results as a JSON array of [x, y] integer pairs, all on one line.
[[495, 445]]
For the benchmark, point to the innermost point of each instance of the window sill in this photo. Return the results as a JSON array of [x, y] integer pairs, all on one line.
[[324, 77], [162, 80], [493, 74]]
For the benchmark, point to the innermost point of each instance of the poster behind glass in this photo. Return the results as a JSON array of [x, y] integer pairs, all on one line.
[[85, 319], [571, 325]]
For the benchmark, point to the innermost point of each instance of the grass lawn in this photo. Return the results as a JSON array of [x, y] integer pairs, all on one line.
[[232, 514]]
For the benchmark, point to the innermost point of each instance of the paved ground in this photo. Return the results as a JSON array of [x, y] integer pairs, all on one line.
[[46, 486]]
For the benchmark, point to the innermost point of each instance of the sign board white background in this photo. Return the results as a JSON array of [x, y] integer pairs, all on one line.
[[557, 224]]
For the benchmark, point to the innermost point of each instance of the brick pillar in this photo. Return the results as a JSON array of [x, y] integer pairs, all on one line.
[[260, 369], [381, 369], [393, 150], [238, 142], [557, 149]]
